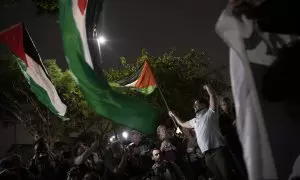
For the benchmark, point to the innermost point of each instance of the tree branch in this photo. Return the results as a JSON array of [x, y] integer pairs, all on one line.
[[18, 117]]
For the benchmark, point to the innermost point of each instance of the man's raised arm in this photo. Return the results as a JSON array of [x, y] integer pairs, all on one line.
[[212, 97]]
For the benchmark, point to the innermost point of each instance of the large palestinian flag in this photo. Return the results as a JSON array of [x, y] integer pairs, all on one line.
[[20, 44], [143, 81], [78, 20]]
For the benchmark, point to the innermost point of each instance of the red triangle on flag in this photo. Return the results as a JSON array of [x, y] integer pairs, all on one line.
[[13, 38], [82, 5]]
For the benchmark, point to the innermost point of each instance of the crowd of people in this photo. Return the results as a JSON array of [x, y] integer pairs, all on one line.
[[208, 148]]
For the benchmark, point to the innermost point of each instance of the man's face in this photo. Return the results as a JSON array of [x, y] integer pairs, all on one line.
[[136, 138], [162, 132], [156, 155], [198, 106]]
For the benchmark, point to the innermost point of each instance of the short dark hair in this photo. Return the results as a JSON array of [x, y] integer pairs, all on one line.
[[226, 99], [202, 100], [132, 132], [154, 150]]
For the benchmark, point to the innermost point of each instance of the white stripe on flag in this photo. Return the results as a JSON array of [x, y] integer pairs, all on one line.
[[131, 84], [38, 75], [80, 24]]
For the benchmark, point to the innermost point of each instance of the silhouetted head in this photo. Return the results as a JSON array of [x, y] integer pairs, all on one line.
[[225, 104], [91, 176], [199, 105], [161, 132], [117, 149], [74, 173], [135, 137], [42, 159]]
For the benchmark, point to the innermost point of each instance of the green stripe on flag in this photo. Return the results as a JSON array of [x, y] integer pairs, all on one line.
[[40, 92], [106, 102], [123, 89]]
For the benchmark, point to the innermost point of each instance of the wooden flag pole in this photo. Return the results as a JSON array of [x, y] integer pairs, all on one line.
[[166, 104]]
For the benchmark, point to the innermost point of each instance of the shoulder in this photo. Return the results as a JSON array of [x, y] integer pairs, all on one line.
[[192, 121], [210, 110], [211, 113]]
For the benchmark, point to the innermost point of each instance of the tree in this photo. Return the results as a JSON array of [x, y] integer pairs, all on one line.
[[81, 115], [42, 6], [20, 103], [180, 78], [17, 100], [46, 6], [6, 3]]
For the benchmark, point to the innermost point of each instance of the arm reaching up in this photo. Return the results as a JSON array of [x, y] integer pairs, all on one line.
[[212, 97]]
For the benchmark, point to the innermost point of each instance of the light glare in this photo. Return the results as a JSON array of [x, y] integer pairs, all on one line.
[[101, 40], [112, 139], [125, 134]]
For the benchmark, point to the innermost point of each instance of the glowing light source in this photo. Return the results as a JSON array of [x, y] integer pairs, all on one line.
[[111, 139], [125, 135], [101, 40]]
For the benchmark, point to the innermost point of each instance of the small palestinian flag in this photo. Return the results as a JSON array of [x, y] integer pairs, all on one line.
[[20, 44], [143, 81]]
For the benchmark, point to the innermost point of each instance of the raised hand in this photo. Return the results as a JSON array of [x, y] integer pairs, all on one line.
[[206, 87]]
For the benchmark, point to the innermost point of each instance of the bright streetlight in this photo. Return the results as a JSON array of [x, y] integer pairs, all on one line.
[[125, 135], [101, 40]]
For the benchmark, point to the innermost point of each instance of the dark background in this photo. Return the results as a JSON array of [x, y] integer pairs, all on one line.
[[130, 25]]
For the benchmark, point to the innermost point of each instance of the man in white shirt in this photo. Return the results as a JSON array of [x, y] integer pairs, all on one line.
[[209, 138]]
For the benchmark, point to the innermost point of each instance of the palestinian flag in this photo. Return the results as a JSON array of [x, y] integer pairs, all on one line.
[[20, 44], [143, 81], [78, 20]]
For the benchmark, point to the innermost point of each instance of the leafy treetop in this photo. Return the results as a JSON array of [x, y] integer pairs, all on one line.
[[180, 78]]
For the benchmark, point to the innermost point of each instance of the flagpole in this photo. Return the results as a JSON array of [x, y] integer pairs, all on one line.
[[166, 104]]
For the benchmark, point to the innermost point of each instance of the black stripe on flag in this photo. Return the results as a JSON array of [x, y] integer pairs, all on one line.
[[131, 78], [31, 50], [93, 18]]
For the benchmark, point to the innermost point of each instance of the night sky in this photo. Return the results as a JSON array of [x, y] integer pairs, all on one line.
[[130, 25]]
